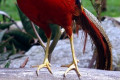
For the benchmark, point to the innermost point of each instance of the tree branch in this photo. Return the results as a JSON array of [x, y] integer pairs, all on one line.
[[36, 33]]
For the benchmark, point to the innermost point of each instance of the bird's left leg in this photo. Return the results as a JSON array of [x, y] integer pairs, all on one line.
[[46, 63], [73, 65]]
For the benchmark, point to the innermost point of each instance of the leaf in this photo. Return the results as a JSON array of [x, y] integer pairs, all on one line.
[[4, 13], [7, 64], [5, 25], [4, 43], [4, 56], [26, 23], [2, 34], [14, 50], [21, 40], [15, 56], [0, 1]]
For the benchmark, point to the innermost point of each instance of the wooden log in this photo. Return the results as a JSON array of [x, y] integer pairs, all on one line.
[[30, 74]]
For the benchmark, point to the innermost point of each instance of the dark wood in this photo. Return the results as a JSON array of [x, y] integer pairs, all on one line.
[[30, 74], [104, 5]]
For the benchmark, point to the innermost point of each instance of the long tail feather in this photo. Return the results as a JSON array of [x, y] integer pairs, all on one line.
[[91, 25], [85, 42]]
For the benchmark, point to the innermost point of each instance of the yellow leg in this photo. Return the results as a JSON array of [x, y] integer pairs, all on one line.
[[73, 65], [46, 63]]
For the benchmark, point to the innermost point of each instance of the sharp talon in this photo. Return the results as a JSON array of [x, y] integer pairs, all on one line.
[[48, 67], [37, 72], [65, 75], [78, 73], [77, 61], [46, 64], [71, 67], [49, 64]]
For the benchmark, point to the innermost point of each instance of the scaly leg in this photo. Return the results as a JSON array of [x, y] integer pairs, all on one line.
[[73, 65], [46, 63]]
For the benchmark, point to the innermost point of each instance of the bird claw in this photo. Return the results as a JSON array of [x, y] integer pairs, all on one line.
[[46, 64], [71, 67]]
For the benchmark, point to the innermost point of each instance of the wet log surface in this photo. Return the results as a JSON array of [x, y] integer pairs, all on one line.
[[30, 74]]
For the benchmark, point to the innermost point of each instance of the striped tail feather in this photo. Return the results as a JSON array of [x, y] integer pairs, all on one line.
[[92, 26]]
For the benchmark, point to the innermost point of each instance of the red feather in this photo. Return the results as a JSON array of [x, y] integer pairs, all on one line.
[[104, 57], [44, 12]]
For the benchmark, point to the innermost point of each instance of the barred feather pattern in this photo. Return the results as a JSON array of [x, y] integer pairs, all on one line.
[[92, 26]]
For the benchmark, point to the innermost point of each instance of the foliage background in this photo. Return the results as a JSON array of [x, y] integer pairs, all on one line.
[[113, 8]]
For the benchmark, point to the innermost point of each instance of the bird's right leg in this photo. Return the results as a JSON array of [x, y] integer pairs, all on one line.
[[46, 63], [73, 65]]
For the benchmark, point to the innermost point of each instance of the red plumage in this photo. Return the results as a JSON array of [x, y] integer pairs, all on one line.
[[44, 12], [101, 41]]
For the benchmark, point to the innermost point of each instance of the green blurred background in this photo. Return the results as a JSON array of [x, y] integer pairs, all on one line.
[[113, 8]]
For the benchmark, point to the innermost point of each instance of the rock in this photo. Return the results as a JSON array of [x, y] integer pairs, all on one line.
[[117, 18], [16, 56], [117, 68], [30, 74]]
